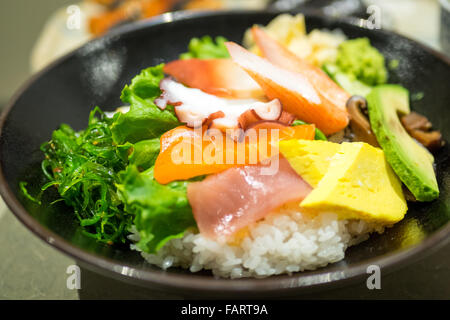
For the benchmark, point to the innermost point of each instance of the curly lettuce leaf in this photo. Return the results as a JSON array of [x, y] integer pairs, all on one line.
[[206, 48], [162, 212], [142, 154], [144, 120]]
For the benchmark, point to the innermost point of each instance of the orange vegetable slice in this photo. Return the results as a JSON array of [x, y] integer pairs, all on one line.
[[187, 153]]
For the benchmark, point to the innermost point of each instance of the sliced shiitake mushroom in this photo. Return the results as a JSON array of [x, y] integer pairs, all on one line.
[[359, 123], [416, 121], [419, 127], [431, 140], [337, 137]]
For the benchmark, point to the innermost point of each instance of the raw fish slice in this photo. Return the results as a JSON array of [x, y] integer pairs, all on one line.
[[231, 200], [221, 77]]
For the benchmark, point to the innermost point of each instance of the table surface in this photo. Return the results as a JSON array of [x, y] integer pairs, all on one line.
[[30, 269]]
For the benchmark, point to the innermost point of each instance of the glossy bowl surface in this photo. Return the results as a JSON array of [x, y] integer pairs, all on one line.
[[95, 74]]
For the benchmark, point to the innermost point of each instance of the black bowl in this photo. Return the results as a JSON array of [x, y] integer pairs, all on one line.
[[95, 74]]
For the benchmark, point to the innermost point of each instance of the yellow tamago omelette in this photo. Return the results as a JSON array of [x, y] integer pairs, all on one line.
[[309, 158], [358, 184]]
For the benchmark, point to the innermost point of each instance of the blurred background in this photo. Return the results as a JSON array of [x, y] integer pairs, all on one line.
[[34, 33]]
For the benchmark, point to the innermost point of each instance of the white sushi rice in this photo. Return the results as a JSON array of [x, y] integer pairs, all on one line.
[[286, 241]]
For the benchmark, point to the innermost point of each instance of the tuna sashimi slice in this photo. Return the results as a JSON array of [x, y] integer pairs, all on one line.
[[231, 200], [221, 77]]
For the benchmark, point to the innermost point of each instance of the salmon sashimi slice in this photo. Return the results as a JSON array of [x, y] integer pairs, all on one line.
[[295, 92], [185, 155], [226, 202], [220, 77], [282, 57]]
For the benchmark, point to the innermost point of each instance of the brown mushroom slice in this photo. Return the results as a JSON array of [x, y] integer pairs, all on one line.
[[337, 137], [416, 121], [431, 140], [418, 127], [358, 121]]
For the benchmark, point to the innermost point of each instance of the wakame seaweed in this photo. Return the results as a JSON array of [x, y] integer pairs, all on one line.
[[84, 166]]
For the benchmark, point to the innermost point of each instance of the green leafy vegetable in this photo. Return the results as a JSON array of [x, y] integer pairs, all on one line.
[[84, 166], [144, 153], [205, 48], [162, 211], [144, 120], [319, 134]]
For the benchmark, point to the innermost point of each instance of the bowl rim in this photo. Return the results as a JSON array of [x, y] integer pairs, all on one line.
[[173, 281]]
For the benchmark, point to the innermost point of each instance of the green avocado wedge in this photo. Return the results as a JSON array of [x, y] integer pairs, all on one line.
[[411, 162]]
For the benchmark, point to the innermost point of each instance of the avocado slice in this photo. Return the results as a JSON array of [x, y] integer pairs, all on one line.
[[346, 81], [412, 163]]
